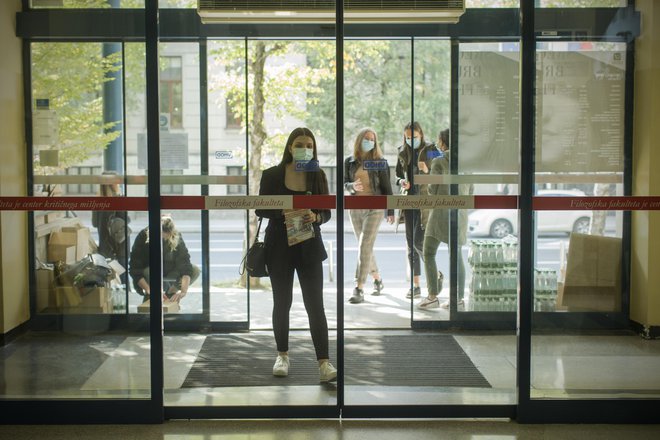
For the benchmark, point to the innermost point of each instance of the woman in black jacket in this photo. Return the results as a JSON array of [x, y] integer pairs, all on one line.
[[298, 173], [178, 272], [367, 173], [415, 156]]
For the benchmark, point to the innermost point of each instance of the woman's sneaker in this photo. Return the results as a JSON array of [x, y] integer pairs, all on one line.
[[378, 287], [358, 296], [428, 303], [281, 367], [327, 373], [416, 292]]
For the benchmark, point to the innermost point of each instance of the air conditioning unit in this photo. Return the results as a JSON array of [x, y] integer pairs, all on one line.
[[323, 11]]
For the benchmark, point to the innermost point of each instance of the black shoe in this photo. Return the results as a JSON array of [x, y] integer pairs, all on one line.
[[358, 296], [378, 287], [416, 292]]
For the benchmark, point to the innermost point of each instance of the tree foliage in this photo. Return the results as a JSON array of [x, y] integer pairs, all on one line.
[[71, 76]]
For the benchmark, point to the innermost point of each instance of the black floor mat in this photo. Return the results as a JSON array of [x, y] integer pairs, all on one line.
[[387, 360]]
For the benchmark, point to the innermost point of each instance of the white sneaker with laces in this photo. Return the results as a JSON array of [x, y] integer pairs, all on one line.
[[281, 367], [429, 303], [327, 373]]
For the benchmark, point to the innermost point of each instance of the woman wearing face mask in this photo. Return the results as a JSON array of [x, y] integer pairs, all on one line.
[[297, 173], [414, 157], [367, 173], [437, 231]]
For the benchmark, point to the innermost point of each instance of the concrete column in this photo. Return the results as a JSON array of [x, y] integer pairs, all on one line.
[[645, 252], [14, 298]]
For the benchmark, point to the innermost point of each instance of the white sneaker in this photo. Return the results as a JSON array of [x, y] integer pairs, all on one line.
[[281, 367], [428, 303], [327, 372], [459, 304]]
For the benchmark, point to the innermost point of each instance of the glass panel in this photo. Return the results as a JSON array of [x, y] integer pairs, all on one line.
[[228, 158], [379, 80], [288, 82], [580, 152], [547, 3], [80, 255], [92, 4]]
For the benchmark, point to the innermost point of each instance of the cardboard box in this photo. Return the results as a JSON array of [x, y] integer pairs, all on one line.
[[95, 297], [45, 288], [54, 216], [67, 296], [61, 252], [168, 307], [593, 274], [80, 236], [103, 308]]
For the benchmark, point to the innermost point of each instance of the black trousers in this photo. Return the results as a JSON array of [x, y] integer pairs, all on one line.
[[414, 238], [281, 267]]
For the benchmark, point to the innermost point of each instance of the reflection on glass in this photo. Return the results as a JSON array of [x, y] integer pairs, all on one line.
[[580, 94], [488, 129]]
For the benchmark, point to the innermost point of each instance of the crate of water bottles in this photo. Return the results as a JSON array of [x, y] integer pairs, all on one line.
[[494, 283], [545, 290], [494, 254]]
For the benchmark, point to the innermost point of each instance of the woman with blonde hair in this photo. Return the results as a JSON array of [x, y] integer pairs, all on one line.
[[178, 272], [367, 173]]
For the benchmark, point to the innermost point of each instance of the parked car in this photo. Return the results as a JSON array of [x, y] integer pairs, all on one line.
[[499, 223]]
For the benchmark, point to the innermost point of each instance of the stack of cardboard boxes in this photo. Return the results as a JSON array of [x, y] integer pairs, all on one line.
[[66, 245], [593, 274]]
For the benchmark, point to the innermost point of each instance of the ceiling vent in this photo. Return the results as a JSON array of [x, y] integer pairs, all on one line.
[[323, 11]]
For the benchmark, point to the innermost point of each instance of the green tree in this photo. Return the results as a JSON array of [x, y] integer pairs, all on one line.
[[71, 76], [377, 89]]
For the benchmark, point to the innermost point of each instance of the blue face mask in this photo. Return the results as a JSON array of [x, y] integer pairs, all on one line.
[[303, 153], [367, 145], [416, 142]]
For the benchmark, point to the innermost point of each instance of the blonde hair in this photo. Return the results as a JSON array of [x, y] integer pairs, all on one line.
[[167, 225], [360, 155]]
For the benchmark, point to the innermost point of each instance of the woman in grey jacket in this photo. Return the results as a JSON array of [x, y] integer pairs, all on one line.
[[437, 231], [367, 173]]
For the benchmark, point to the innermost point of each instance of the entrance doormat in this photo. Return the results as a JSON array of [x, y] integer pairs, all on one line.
[[430, 360]]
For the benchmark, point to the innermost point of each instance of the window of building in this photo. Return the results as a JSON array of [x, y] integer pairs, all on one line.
[[171, 90]]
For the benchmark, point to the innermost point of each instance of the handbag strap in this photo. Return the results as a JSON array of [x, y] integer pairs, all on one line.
[[241, 267], [256, 237]]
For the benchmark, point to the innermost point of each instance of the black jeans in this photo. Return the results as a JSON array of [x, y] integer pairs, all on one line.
[[310, 276], [414, 238]]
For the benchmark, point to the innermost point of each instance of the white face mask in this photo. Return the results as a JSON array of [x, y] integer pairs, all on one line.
[[367, 145], [415, 142], [302, 153]]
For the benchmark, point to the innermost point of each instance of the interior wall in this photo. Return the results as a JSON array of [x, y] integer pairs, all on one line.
[[645, 252], [14, 298]]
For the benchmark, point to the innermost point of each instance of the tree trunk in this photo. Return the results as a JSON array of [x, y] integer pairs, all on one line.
[[258, 135], [597, 226]]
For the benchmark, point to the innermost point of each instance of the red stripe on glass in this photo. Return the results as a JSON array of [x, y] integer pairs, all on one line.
[[495, 202], [365, 202], [183, 202], [315, 202], [73, 203], [596, 203]]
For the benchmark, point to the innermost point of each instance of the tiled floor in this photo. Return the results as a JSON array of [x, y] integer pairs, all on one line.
[[334, 430], [116, 365]]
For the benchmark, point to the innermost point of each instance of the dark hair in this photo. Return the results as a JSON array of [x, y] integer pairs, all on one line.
[[413, 127], [316, 181], [444, 137]]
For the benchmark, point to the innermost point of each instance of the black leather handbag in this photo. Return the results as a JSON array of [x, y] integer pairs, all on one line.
[[254, 260]]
